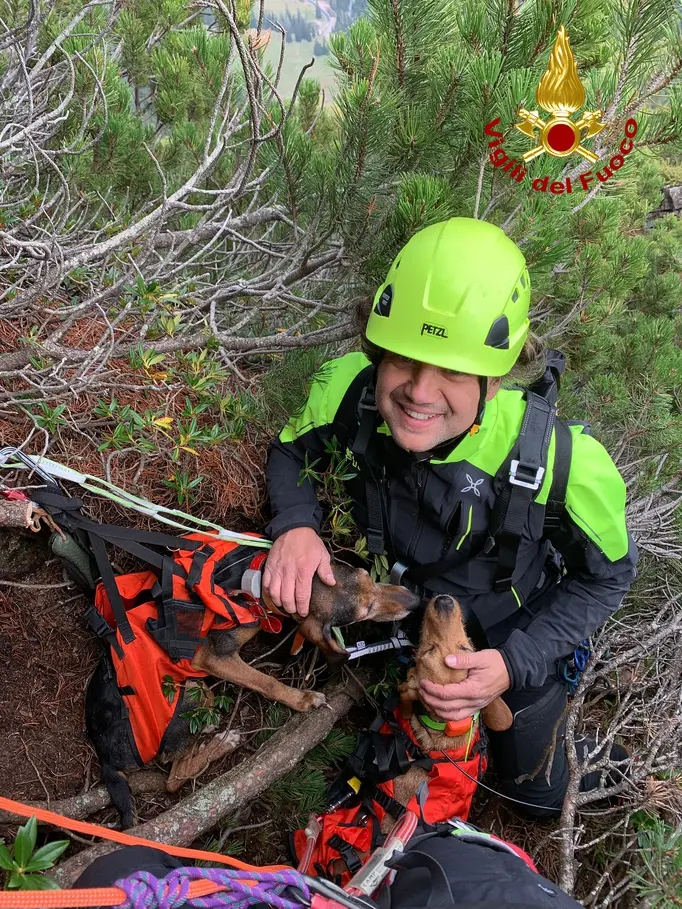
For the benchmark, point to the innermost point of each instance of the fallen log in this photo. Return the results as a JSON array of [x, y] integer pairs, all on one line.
[[222, 797], [15, 513], [81, 806]]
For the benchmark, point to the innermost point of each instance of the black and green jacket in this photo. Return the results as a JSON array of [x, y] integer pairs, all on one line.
[[439, 508]]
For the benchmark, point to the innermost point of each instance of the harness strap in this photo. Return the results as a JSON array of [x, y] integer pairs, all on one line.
[[199, 559], [556, 503], [380, 757], [346, 851], [365, 442], [388, 803], [525, 468], [165, 631], [107, 575], [135, 542]]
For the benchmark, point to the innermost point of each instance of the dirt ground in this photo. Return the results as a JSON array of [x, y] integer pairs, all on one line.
[[46, 657]]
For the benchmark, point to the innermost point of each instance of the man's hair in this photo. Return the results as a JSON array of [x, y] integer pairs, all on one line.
[[529, 366]]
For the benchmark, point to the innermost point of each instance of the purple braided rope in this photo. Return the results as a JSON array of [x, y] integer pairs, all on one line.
[[144, 891]]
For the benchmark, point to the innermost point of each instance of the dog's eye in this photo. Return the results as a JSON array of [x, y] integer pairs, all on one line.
[[429, 649]]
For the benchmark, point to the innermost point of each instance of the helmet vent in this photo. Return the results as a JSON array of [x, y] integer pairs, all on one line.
[[515, 296], [523, 281], [498, 336], [397, 264], [383, 306]]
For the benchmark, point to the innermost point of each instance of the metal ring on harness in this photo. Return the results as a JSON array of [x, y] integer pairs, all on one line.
[[397, 572]]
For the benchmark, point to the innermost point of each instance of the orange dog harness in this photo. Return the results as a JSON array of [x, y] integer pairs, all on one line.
[[165, 620], [352, 833]]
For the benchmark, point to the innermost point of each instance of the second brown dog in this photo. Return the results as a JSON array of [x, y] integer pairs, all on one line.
[[442, 633]]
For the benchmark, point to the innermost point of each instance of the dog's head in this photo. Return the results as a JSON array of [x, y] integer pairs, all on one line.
[[443, 633], [354, 598]]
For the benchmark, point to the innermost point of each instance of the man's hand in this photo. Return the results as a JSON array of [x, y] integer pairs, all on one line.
[[487, 679], [291, 566]]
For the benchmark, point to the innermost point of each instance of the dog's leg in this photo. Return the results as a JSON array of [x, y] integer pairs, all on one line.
[[233, 669], [195, 760]]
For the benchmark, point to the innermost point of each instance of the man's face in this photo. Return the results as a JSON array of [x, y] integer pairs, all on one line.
[[425, 405]]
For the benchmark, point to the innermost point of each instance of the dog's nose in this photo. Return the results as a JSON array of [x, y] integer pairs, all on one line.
[[444, 604]]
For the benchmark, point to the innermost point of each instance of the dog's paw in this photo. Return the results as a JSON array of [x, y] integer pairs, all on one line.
[[309, 700], [230, 738]]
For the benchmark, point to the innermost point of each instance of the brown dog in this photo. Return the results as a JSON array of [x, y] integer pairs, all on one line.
[[442, 633], [354, 598]]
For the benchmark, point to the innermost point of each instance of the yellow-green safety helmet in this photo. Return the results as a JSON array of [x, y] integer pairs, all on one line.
[[456, 296]]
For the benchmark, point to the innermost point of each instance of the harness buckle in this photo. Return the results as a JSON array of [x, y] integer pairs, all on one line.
[[528, 477], [98, 624]]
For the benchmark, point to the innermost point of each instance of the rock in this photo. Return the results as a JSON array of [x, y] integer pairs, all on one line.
[[21, 552], [671, 204]]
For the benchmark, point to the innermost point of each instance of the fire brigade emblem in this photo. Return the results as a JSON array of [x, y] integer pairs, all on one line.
[[560, 93]]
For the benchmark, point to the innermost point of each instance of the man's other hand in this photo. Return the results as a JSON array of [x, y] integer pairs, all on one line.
[[488, 678]]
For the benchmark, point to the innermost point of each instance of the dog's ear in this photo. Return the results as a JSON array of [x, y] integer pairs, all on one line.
[[321, 635], [497, 716], [409, 692]]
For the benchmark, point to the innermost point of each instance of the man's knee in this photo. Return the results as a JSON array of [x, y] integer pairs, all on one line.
[[536, 798], [529, 758]]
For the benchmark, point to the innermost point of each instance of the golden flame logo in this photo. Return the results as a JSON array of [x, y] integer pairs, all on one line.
[[561, 93]]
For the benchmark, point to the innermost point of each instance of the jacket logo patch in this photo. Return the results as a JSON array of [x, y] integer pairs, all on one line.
[[438, 331], [473, 485]]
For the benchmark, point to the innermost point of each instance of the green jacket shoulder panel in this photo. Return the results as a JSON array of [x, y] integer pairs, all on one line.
[[329, 384], [596, 495]]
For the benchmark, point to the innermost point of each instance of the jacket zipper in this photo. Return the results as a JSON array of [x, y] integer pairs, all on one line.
[[419, 469]]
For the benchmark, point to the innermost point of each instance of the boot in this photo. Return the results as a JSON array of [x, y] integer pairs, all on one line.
[[584, 744]]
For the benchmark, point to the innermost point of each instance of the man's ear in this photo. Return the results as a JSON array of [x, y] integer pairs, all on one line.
[[493, 387]]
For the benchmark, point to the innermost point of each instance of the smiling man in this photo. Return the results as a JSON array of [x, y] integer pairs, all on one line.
[[470, 489]]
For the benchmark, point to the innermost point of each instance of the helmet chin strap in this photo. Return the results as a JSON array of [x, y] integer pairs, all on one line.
[[483, 382]]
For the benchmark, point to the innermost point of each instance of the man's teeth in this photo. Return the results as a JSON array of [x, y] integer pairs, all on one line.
[[419, 416]]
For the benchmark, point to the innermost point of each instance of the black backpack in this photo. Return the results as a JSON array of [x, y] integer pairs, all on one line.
[[516, 483]]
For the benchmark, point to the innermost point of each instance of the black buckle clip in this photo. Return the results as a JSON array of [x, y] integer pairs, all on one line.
[[97, 622]]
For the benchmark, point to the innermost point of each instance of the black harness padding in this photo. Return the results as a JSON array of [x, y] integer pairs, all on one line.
[[525, 469]]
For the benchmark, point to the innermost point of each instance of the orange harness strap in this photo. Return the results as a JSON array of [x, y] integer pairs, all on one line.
[[126, 839]]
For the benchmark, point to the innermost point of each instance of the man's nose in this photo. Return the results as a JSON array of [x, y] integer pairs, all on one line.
[[422, 387]]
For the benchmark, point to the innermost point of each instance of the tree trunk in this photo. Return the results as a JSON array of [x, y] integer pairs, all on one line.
[[222, 797]]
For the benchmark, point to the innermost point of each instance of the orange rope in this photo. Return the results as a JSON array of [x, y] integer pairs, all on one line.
[[83, 899], [107, 896]]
